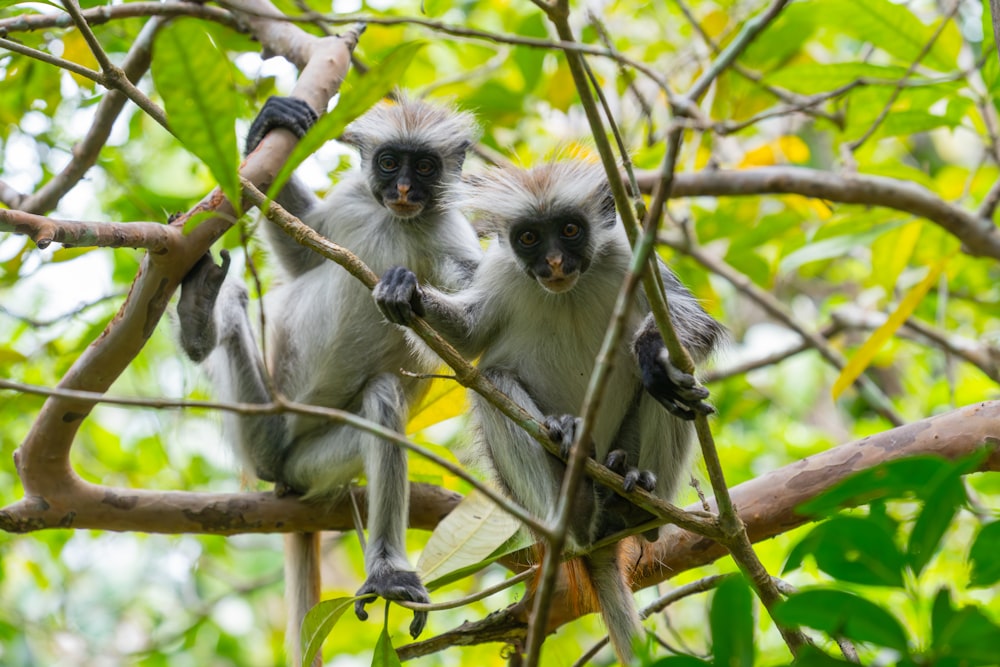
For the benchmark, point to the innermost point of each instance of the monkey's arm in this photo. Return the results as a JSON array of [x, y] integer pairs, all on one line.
[[675, 390], [455, 316], [297, 117]]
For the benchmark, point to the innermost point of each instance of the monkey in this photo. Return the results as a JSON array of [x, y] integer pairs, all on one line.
[[328, 344], [536, 311]]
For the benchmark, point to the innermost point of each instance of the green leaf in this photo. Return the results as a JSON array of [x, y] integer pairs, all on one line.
[[836, 246], [732, 622], [892, 28], [810, 656], [195, 80], [385, 654], [318, 623], [681, 661], [839, 613], [357, 94], [939, 509], [965, 635], [895, 479], [853, 549], [985, 556], [813, 78]]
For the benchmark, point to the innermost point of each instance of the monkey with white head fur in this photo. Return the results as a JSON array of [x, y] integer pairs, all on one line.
[[537, 311], [329, 345]]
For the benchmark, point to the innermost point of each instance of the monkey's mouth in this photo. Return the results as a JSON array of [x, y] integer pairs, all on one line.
[[404, 209], [558, 284]]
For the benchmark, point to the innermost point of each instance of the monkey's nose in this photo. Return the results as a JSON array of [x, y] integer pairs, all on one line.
[[403, 190], [555, 263]]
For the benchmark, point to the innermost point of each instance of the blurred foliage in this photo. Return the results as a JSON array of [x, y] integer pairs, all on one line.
[[910, 575]]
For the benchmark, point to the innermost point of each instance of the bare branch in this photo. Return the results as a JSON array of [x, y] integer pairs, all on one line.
[[153, 236], [106, 13], [979, 236]]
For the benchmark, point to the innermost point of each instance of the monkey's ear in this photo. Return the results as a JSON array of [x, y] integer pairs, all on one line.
[[607, 203]]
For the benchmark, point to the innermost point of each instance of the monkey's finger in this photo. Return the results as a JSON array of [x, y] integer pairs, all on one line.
[[678, 410], [359, 607]]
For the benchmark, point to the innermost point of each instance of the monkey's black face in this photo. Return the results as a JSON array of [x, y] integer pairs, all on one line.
[[405, 180], [553, 250]]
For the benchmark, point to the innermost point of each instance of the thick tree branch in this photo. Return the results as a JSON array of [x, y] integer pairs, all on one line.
[[767, 508], [44, 455], [153, 236]]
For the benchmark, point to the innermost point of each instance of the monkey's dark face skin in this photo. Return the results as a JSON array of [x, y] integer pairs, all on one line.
[[405, 180], [554, 250]]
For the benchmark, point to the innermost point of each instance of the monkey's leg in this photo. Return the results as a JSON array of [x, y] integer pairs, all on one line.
[[332, 457], [238, 373], [196, 306], [532, 476]]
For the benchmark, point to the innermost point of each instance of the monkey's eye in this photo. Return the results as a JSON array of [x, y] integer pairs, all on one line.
[[388, 163], [425, 166], [527, 238], [570, 230]]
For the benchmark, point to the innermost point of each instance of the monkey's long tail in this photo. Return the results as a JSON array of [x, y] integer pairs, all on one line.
[[302, 589], [614, 596]]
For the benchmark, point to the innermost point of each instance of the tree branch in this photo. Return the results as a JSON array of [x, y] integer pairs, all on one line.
[[978, 235], [766, 506]]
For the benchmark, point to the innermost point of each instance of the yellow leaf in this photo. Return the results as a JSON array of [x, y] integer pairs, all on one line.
[[863, 357], [794, 149], [445, 399], [468, 535], [762, 156], [75, 49], [893, 252]]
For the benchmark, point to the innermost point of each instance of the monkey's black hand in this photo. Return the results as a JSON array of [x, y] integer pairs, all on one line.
[[399, 585], [199, 290], [562, 431], [398, 296], [675, 390], [291, 113]]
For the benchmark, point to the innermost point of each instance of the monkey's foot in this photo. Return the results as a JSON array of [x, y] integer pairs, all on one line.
[[627, 513], [397, 295], [677, 391], [618, 462], [399, 585], [199, 290], [562, 431]]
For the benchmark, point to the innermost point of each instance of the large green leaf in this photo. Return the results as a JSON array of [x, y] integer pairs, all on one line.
[[195, 80], [839, 613], [984, 556], [836, 246], [809, 78], [357, 94], [385, 654], [895, 479], [891, 27], [318, 623], [939, 509], [854, 549], [966, 636], [732, 622]]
